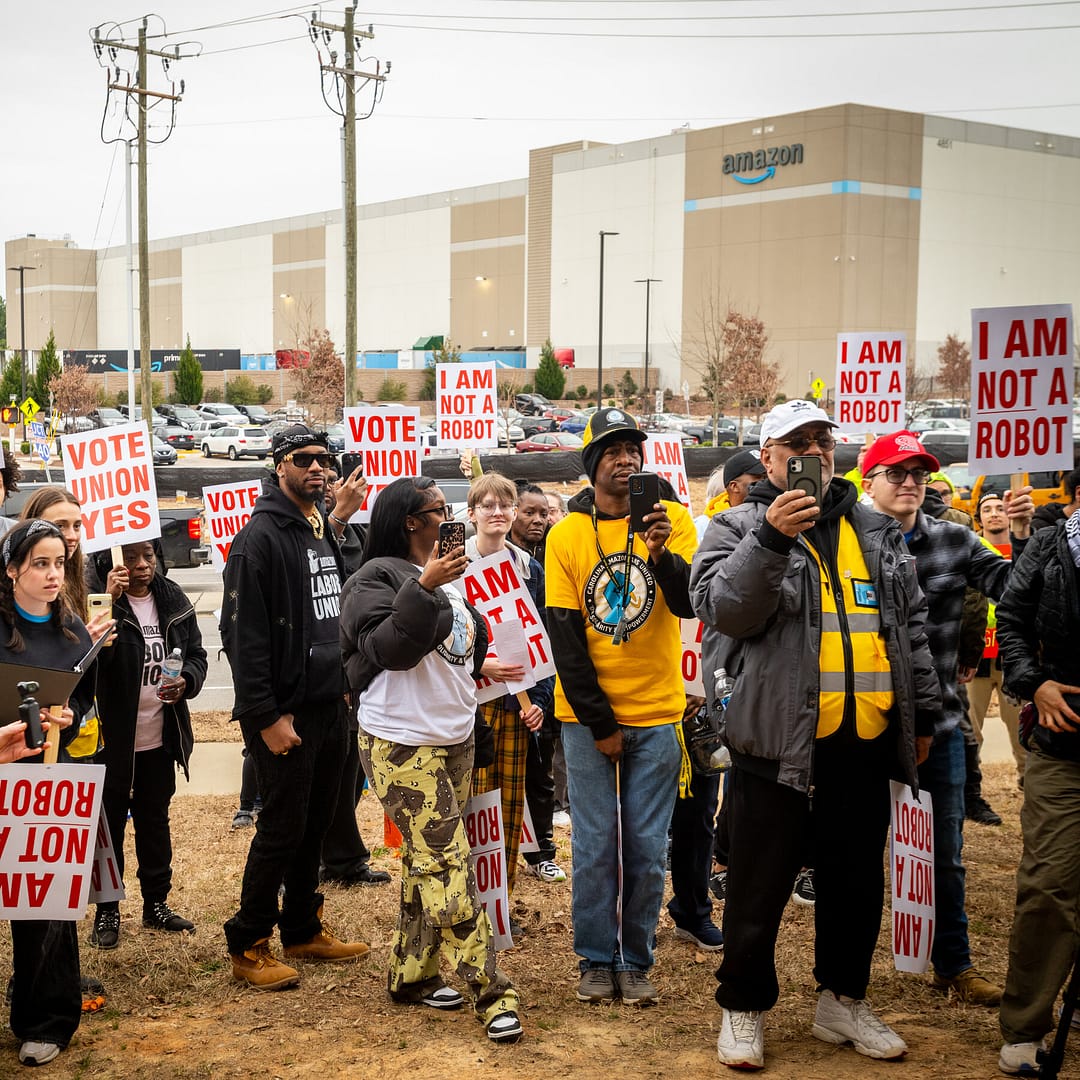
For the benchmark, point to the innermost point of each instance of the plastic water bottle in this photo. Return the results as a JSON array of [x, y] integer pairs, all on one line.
[[170, 671], [721, 758]]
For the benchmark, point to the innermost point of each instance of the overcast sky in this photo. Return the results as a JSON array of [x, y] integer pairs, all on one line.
[[470, 93]]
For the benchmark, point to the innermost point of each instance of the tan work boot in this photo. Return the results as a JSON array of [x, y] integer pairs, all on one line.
[[259, 967], [324, 946], [970, 986]]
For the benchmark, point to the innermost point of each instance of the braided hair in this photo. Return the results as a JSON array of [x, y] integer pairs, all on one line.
[[18, 546]]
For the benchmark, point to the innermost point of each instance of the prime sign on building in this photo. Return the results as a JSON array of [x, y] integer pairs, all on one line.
[[1021, 388]]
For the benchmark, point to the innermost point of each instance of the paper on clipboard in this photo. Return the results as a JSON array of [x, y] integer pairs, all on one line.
[[514, 649]]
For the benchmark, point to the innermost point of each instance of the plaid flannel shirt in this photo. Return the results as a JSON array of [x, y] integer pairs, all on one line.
[[949, 558]]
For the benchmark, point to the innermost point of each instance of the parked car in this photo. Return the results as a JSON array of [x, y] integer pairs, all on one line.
[[531, 404], [533, 425], [164, 454], [575, 425], [179, 438], [219, 410], [545, 442], [181, 414], [939, 423], [104, 417], [335, 438], [272, 428], [236, 442], [257, 414], [78, 423], [510, 434]]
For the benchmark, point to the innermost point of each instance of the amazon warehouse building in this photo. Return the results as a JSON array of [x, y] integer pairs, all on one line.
[[836, 219]]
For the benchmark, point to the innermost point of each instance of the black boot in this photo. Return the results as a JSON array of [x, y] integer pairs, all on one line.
[[976, 808]]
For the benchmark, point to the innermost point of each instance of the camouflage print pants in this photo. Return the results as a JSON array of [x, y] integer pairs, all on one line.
[[423, 791]]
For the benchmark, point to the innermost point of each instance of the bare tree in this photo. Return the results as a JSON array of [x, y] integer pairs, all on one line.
[[320, 384], [727, 349], [954, 366], [74, 393]]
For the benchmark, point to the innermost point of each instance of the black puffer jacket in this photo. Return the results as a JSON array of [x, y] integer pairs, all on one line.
[[120, 667], [1038, 626]]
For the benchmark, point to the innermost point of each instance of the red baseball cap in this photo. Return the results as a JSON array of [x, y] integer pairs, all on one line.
[[892, 449]]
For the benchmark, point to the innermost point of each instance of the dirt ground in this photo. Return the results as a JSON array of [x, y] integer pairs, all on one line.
[[173, 1010]]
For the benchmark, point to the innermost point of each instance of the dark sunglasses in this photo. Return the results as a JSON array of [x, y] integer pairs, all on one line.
[[445, 510], [303, 461]]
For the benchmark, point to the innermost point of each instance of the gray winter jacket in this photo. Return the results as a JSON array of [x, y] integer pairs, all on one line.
[[762, 615]]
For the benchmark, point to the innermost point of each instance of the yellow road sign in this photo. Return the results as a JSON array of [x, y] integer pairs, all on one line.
[[29, 408]]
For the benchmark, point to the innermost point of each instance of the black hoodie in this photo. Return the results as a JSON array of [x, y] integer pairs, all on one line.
[[266, 618]]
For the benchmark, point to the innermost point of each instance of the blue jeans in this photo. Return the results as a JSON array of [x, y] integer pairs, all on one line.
[[649, 775], [942, 775]]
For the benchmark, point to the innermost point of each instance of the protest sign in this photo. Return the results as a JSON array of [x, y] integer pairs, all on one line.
[[1021, 389], [911, 868], [388, 441], [528, 831], [871, 382], [227, 508], [111, 472], [494, 586], [690, 632], [662, 453], [484, 829], [50, 822], [106, 883], [467, 405]]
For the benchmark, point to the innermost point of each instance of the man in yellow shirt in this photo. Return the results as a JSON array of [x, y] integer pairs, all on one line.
[[614, 602]]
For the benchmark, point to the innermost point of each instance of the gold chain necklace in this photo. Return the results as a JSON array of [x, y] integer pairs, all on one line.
[[316, 522]]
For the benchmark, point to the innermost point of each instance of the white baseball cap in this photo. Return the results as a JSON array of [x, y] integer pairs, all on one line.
[[786, 417]]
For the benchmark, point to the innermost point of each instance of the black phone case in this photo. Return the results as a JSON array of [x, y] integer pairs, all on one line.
[[808, 478], [349, 462], [644, 495]]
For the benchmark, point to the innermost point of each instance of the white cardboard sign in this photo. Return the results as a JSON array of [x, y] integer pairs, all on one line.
[[911, 873], [690, 631], [389, 440], [528, 830], [467, 405], [228, 509], [111, 472], [106, 884], [484, 829], [494, 586], [1021, 388], [871, 382], [662, 453], [49, 816]]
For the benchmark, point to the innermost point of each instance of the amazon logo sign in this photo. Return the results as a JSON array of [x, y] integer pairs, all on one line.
[[763, 163]]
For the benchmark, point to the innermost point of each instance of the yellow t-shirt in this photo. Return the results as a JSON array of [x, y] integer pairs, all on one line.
[[641, 678]]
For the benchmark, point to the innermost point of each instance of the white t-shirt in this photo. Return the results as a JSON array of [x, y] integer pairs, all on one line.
[[434, 703], [151, 713]]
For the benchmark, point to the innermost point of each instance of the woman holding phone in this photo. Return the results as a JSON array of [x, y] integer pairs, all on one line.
[[412, 648], [40, 629]]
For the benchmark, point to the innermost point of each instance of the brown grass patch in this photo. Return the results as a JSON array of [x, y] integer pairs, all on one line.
[[174, 1011]]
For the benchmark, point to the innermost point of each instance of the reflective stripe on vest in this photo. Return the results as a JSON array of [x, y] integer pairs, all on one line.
[[871, 675]]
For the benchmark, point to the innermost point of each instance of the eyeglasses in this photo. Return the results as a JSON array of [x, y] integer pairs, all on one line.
[[303, 461], [801, 443], [487, 509], [445, 510], [895, 475]]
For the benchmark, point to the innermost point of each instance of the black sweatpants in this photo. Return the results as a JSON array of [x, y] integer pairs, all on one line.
[[540, 790], [46, 1001], [774, 831], [344, 852], [299, 791]]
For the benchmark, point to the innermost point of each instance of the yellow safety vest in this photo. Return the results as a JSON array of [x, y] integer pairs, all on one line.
[[853, 601]]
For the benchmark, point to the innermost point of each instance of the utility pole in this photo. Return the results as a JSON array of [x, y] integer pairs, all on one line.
[[343, 102], [139, 97]]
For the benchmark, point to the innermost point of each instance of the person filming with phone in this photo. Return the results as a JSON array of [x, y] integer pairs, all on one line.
[[810, 602], [615, 595]]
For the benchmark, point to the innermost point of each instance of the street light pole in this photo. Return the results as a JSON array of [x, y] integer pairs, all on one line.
[[648, 283], [20, 270], [600, 333]]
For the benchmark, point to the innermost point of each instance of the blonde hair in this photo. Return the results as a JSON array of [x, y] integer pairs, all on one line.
[[491, 484]]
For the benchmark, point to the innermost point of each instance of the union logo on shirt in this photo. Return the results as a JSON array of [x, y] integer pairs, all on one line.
[[604, 594]]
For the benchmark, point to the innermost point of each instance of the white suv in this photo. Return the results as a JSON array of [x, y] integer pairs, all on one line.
[[237, 442]]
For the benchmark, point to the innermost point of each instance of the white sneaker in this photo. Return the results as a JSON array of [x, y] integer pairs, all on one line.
[[546, 871], [741, 1044], [1020, 1059], [38, 1053], [561, 819], [843, 1019]]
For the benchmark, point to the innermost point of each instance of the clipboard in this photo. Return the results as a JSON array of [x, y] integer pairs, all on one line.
[[55, 687]]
